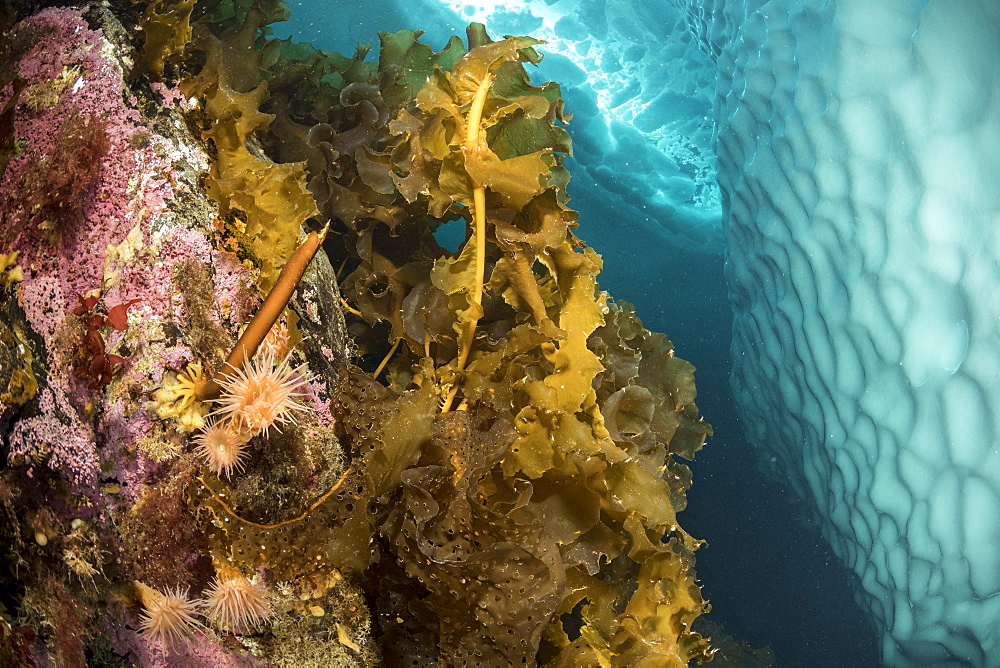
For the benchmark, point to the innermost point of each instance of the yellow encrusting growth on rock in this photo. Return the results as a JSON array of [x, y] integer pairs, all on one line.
[[10, 271], [175, 399]]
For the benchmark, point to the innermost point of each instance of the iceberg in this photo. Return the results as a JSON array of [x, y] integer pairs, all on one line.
[[857, 149]]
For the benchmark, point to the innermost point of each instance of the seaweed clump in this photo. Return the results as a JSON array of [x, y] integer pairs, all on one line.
[[510, 436], [264, 202]]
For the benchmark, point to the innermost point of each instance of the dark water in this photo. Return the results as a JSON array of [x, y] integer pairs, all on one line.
[[770, 577]]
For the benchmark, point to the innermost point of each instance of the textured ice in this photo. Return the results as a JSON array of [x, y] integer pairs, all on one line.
[[858, 148]]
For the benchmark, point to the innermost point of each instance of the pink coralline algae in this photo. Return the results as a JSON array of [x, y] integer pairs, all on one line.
[[314, 395], [146, 277], [170, 96], [59, 430], [122, 427], [85, 201], [203, 652], [231, 280], [64, 217]]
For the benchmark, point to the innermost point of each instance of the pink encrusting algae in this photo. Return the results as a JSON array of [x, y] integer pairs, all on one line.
[[114, 233], [107, 194], [57, 428]]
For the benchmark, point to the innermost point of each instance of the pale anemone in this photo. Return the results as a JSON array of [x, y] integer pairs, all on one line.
[[234, 603], [221, 447], [167, 617], [260, 395], [276, 341]]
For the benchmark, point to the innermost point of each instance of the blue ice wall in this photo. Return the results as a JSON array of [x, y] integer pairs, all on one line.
[[859, 151]]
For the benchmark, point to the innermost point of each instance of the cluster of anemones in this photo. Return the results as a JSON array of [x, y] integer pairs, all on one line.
[[231, 603], [260, 395]]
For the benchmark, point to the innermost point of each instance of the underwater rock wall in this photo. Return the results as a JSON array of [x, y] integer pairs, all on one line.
[[110, 282], [858, 151], [179, 486]]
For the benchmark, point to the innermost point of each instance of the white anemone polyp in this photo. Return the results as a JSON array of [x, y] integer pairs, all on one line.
[[221, 448], [168, 617], [236, 604], [260, 395]]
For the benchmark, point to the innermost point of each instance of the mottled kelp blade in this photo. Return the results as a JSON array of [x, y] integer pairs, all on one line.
[[413, 61], [520, 133], [494, 582]]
